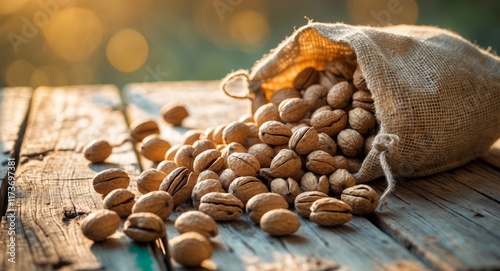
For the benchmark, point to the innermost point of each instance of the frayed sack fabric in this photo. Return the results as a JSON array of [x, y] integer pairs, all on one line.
[[436, 95]]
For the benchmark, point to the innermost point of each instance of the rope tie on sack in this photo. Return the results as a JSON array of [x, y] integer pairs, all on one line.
[[230, 78], [384, 143]]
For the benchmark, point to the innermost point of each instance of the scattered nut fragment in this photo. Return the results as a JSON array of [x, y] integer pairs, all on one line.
[[274, 133], [304, 201], [159, 203], [321, 163], [263, 152], [150, 180], [190, 249], [350, 142], [285, 164], [144, 227], [120, 201], [246, 187], [221, 206], [174, 113], [330, 212], [110, 179], [179, 183], [166, 166], [204, 187], [288, 189], [362, 199], [280, 222], [100, 224], [154, 148], [141, 128], [243, 164], [340, 180], [259, 204], [96, 151], [198, 222], [305, 78], [311, 182]]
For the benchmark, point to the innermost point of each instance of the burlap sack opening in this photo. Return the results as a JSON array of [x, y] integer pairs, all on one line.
[[437, 96]]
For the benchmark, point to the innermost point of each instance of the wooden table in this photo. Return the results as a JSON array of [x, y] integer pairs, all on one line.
[[449, 221]]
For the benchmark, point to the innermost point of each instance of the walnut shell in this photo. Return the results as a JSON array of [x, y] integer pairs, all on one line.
[[326, 144], [358, 79], [362, 120], [266, 112], [217, 136], [363, 99], [362, 199], [221, 206], [280, 222], [253, 135], [110, 179], [120, 201], [190, 249], [274, 133], [305, 78], [246, 187], [150, 180], [369, 144], [196, 221], [243, 164], [179, 183], [184, 157], [350, 142], [288, 189], [202, 145], [227, 177], [191, 136], [154, 148], [141, 128], [208, 160], [311, 182], [327, 79], [144, 227], [341, 67], [315, 96], [160, 203], [342, 162], [304, 140], [259, 204], [285, 164], [263, 153], [340, 95], [321, 163], [304, 201], [330, 212], [96, 151], [166, 166], [100, 224], [204, 187], [354, 164], [231, 148], [293, 109], [340, 180], [278, 96], [174, 113], [206, 175], [329, 122], [235, 132], [170, 154]]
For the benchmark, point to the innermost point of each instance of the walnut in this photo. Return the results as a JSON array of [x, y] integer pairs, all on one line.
[[341, 68], [100, 224], [304, 140], [354, 164], [363, 99], [144, 227], [274, 133], [170, 154], [288, 189], [327, 79], [221, 206], [342, 162], [330, 212], [121, 201], [315, 96], [350, 142], [174, 113], [230, 149], [340, 180], [208, 160], [305, 78], [278, 96], [326, 144], [285, 164], [191, 136], [340, 95], [358, 79], [166, 166], [190, 249], [280, 222], [293, 109], [235, 132], [361, 120], [246, 187], [204, 187], [321, 162], [206, 175], [179, 183], [243, 164], [265, 113], [196, 221], [154, 148], [202, 145], [304, 201], [311, 182], [263, 152], [259, 204], [329, 122], [159, 203], [227, 177], [369, 143], [184, 157], [150, 180], [141, 128], [253, 135], [96, 151], [217, 136], [110, 179], [362, 199]]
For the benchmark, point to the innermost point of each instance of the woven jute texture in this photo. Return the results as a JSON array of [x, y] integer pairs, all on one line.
[[436, 95]]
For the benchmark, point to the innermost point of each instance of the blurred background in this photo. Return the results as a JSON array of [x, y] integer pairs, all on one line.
[[67, 42]]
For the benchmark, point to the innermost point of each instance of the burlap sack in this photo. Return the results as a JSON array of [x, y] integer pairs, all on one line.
[[436, 95]]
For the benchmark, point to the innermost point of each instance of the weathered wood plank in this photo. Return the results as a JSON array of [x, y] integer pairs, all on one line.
[[14, 105], [206, 105], [450, 220], [241, 244], [54, 183]]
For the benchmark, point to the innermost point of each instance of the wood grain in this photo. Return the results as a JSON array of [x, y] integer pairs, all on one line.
[[241, 244], [450, 220], [14, 105], [54, 183]]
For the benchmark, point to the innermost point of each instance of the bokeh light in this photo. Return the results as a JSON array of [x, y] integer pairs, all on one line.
[[11, 6], [19, 73], [127, 50], [74, 33], [250, 27], [383, 12]]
